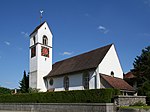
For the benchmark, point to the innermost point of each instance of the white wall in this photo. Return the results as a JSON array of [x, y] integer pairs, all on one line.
[[111, 63], [75, 82], [41, 64]]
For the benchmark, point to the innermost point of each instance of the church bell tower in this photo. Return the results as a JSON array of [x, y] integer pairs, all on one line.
[[40, 56]]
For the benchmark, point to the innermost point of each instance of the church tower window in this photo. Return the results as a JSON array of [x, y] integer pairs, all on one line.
[[45, 40], [33, 51], [66, 83], [86, 80], [34, 40]]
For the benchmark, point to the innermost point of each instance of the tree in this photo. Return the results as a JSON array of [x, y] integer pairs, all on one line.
[[4, 91], [24, 83], [142, 71]]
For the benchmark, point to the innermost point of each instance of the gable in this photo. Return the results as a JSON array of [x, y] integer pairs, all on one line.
[[85, 61], [36, 29], [111, 63]]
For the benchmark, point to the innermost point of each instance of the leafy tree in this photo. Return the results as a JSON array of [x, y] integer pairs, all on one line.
[[4, 90], [24, 83], [142, 71]]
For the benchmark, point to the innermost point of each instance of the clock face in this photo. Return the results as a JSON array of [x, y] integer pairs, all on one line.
[[45, 51]]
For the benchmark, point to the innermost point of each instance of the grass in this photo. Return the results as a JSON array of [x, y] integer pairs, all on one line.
[[135, 107]]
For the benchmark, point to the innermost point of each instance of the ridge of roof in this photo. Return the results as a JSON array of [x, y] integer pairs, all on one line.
[[84, 61], [84, 53], [118, 83], [35, 30]]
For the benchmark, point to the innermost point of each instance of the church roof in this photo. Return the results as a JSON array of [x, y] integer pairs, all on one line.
[[85, 61], [36, 29], [117, 83]]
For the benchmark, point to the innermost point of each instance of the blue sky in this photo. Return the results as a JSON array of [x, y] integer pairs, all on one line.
[[77, 26]]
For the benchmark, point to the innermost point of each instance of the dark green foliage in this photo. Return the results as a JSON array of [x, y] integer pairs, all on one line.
[[148, 100], [142, 72], [78, 96], [24, 83], [4, 91]]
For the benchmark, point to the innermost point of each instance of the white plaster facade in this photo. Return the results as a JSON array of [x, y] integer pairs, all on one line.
[[40, 65], [111, 63]]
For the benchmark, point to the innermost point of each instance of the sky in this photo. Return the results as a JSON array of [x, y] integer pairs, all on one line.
[[78, 26]]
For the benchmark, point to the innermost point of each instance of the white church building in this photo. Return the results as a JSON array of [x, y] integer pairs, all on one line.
[[99, 68]]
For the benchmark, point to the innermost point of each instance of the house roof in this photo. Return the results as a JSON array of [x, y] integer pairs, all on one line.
[[117, 83], [129, 75], [36, 29], [85, 61]]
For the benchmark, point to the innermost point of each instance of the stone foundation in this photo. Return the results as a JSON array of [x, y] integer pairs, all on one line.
[[57, 107]]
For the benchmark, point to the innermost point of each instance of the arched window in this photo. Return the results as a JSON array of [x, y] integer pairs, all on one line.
[[112, 73], [51, 81], [66, 83], [45, 40], [86, 80]]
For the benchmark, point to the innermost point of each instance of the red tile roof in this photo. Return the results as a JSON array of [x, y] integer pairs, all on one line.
[[89, 60], [36, 29], [129, 75], [117, 83]]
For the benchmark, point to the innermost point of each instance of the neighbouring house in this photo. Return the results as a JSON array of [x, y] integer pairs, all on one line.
[[131, 79], [99, 68]]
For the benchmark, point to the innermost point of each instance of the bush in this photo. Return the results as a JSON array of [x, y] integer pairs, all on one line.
[[78, 96], [139, 103]]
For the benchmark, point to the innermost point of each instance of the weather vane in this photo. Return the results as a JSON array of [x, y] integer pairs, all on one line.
[[41, 11]]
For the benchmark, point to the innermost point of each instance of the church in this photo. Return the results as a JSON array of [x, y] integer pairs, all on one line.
[[99, 68]]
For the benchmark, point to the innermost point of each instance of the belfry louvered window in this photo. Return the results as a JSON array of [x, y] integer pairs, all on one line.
[[45, 40]]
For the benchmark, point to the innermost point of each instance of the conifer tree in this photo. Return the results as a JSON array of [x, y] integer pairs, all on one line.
[[142, 72], [24, 83]]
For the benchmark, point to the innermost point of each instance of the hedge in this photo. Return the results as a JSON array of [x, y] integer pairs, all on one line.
[[78, 96]]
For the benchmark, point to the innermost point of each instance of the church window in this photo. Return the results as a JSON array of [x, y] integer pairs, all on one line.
[[66, 83], [51, 82], [34, 39], [33, 51], [86, 80], [45, 40]]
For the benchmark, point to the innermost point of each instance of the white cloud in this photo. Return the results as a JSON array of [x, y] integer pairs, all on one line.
[[66, 53], [25, 34], [147, 2], [103, 29], [87, 14], [20, 48], [7, 82], [147, 34], [7, 43]]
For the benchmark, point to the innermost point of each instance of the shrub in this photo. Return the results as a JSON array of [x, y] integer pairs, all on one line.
[[78, 96], [139, 103]]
